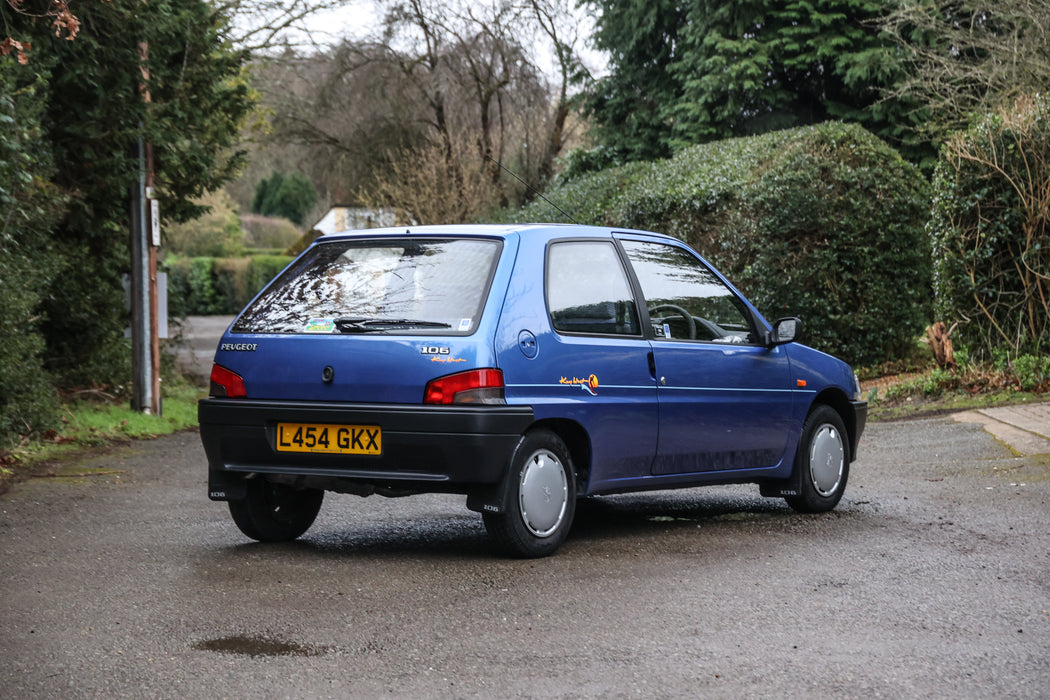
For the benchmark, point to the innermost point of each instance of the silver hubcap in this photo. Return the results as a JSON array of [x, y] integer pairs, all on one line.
[[543, 493], [827, 456]]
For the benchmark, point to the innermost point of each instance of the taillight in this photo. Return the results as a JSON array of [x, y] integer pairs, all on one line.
[[472, 386], [225, 382]]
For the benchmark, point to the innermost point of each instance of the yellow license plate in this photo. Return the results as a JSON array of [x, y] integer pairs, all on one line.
[[329, 439]]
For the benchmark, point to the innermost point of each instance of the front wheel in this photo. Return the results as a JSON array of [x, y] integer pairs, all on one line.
[[275, 512], [821, 463], [541, 498]]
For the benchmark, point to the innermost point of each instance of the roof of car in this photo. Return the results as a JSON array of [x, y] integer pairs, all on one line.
[[487, 230]]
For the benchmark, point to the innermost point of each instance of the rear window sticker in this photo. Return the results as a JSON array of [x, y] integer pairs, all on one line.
[[320, 325]]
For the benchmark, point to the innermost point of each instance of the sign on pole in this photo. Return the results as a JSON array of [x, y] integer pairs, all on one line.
[[154, 213]]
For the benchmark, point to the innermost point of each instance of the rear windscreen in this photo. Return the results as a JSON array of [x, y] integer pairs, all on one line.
[[378, 286]]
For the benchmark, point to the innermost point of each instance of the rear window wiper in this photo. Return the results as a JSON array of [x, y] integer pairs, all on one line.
[[363, 325]]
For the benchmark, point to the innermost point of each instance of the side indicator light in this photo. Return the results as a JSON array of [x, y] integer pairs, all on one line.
[[800, 382]]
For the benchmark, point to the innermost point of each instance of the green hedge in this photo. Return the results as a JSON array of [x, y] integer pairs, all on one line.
[[29, 208], [823, 222], [208, 286], [990, 228]]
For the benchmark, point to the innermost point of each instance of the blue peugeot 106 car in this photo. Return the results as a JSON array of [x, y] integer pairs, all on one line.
[[523, 366]]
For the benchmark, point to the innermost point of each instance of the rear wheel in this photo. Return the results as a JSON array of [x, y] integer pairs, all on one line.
[[821, 463], [541, 498], [275, 512]]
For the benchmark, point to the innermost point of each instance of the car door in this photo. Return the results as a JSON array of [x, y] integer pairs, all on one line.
[[724, 397], [586, 360]]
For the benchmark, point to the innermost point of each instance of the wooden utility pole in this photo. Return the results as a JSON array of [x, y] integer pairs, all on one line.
[[145, 227]]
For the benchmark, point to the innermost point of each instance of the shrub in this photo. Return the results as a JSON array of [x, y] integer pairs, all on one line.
[[230, 277], [176, 270], [1032, 372], [581, 161], [290, 196], [268, 232], [202, 293], [303, 242], [210, 286], [990, 229], [263, 268], [29, 207], [823, 222], [216, 233], [192, 287], [936, 382]]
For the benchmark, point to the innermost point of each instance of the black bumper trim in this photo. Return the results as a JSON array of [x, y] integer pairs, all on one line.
[[860, 420], [439, 448], [358, 474]]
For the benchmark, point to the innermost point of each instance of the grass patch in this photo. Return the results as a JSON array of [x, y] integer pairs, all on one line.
[[915, 407], [88, 422], [94, 422], [915, 387], [934, 391]]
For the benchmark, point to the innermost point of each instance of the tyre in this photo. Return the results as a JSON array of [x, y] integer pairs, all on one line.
[[275, 512], [821, 462], [540, 500]]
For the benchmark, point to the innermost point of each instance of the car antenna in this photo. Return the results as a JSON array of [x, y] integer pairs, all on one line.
[[532, 189]]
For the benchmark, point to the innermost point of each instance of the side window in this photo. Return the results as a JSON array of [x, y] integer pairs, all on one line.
[[685, 299], [587, 289]]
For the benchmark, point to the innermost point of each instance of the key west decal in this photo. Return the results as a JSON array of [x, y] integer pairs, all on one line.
[[590, 384]]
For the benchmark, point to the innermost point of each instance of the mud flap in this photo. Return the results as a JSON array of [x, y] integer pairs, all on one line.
[[492, 498], [488, 499], [778, 488], [225, 487]]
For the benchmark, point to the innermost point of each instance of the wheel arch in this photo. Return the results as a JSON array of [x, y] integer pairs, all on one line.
[[576, 440], [491, 498], [839, 402]]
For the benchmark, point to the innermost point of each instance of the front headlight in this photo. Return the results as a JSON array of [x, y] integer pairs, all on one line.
[[857, 394]]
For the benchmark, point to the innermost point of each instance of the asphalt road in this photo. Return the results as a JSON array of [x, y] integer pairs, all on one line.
[[195, 340], [119, 578]]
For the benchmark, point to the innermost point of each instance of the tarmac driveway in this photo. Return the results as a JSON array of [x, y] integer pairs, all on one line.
[[120, 578]]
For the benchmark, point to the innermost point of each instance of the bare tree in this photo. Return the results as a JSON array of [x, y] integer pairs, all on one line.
[[264, 25], [421, 191], [478, 67], [339, 117], [478, 84], [999, 237], [555, 21], [969, 57]]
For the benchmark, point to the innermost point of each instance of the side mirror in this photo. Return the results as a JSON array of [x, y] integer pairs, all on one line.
[[785, 330]]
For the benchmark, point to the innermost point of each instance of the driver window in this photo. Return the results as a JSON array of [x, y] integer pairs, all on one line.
[[686, 300]]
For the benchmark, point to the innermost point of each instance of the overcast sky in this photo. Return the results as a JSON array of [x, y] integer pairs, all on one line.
[[356, 19], [360, 18]]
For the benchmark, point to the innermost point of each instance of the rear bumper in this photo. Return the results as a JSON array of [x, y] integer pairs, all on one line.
[[425, 448]]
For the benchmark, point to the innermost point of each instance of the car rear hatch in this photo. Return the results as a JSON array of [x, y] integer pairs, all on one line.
[[366, 320]]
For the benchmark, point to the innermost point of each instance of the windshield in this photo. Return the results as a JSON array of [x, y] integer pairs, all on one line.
[[378, 286]]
